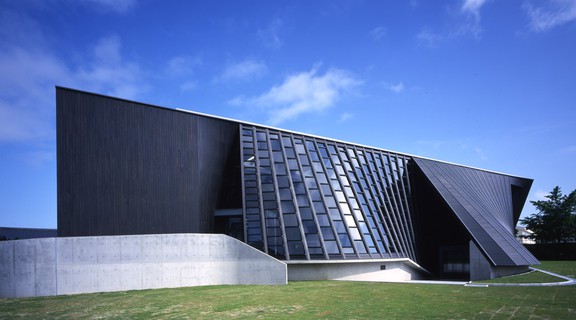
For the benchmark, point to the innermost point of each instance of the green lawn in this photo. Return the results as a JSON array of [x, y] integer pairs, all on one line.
[[566, 268], [311, 300]]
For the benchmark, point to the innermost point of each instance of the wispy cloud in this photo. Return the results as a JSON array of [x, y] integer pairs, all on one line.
[[480, 153], [430, 38], [472, 6], [345, 117], [551, 14], [245, 70], [109, 72], [540, 195], [29, 73], [182, 65], [270, 35], [397, 87], [378, 33], [118, 6], [301, 93], [464, 22], [189, 86], [467, 147]]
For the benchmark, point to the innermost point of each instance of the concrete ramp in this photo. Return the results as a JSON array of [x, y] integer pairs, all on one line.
[[55, 266]]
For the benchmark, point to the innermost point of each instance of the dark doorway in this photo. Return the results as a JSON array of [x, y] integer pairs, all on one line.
[[229, 222]]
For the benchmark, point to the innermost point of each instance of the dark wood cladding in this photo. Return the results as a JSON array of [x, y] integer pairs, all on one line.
[[130, 168]]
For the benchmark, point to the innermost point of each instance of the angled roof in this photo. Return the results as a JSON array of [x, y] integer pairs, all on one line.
[[487, 205]]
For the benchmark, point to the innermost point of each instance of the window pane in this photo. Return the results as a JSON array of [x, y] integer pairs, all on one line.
[[288, 207], [305, 213], [309, 227], [293, 233], [290, 220]]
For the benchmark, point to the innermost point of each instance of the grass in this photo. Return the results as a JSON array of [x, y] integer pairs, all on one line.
[[566, 268], [310, 300]]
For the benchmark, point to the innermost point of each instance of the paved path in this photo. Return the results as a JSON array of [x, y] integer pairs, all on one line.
[[569, 282]]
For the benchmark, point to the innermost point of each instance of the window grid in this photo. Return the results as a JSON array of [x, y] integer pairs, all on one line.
[[309, 198], [317, 250], [394, 208], [294, 204], [386, 206], [401, 212], [370, 213], [405, 188], [279, 214]]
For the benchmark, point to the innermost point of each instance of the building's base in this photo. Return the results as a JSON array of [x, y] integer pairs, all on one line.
[[482, 269], [55, 266], [356, 270]]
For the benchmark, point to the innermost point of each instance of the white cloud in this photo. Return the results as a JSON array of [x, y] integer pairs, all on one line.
[[431, 39], [29, 75], [118, 6], [480, 153], [552, 14], [397, 88], [189, 86], [270, 35], [378, 33], [301, 93], [182, 65], [27, 81], [540, 194], [345, 116], [472, 6], [109, 72], [244, 70], [19, 123], [465, 22]]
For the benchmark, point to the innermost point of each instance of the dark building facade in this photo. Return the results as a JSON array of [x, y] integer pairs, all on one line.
[[131, 168], [7, 233]]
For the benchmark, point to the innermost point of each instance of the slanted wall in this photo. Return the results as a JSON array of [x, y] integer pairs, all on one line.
[[55, 266]]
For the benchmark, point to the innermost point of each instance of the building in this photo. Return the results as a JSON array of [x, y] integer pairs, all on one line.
[[524, 235], [152, 197], [328, 208], [7, 233]]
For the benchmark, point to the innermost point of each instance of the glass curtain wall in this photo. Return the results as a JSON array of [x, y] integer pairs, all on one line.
[[315, 199]]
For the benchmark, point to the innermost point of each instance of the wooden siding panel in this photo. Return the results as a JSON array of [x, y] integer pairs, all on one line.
[[129, 168]]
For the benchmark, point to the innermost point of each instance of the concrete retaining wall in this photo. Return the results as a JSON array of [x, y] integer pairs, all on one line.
[[361, 270], [54, 266]]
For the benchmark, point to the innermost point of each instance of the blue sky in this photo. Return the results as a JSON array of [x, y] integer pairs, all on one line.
[[489, 84]]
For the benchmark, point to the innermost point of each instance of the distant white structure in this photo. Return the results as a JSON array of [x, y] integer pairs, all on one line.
[[523, 235]]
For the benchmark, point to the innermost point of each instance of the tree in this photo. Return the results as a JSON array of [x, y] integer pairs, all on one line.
[[555, 220]]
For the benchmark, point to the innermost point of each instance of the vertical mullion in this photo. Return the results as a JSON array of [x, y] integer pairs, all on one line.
[[258, 187], [353, 148], [381, 195], [347, 199], [408, 188], [372, 194], [391, 202], [278, 201], [381, 186], [294, 202], [242, 181], [333, 194], [330, 220], [404, 204], [259, 184], [396, 212], [310, 203], [307, 152]]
